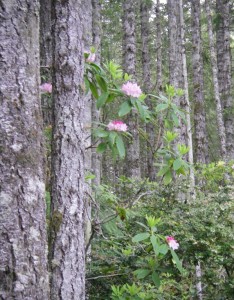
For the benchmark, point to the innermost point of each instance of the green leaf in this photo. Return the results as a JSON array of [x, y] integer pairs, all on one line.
[[112, 137], [86, 84], [177, 261], [140, 237], [120, 146], [167, 178], [101, 147], [101, 82], [155, 244], [175, 119], [140, 109], [102, 100], [142, 273], [156, 279], [161, 107], [93, 89], [101, 133], [124, 109], [163, 249], [163, 171], [177, 164]]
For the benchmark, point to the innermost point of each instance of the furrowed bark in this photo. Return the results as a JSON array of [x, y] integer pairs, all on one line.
[[129, 65], [23, 240], [67, 218]]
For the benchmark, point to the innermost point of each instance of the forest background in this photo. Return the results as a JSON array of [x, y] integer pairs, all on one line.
[[117, 149]]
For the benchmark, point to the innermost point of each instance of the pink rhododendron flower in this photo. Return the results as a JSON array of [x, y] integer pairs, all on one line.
[[117, 126], [173, 244], [91, 58], [131, 89], [46, 87]]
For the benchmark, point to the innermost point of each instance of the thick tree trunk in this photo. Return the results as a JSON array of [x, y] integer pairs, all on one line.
[[129, 65], [224, 61], [146, 66], [67, 218], [23, 250], [200, 132], [219, 113]]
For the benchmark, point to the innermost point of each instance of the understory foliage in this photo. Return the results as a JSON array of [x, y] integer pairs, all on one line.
[[124, 262]]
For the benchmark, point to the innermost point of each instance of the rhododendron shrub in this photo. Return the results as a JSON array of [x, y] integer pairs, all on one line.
[[117, 126], [173, 244], [46, 87], [131, 89]]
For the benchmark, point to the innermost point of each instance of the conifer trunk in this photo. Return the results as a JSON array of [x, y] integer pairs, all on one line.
[[146, 66], [67, 218], [224, 62], [23, 240], [129, 65], [200, 131], [219, 113]]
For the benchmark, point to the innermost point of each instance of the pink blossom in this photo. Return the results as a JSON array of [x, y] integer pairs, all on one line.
[[91, 58], [117, 126], [232, 167], [131, 89], [46, 87], [173, 244]]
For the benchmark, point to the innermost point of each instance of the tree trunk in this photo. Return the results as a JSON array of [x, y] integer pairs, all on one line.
[[23, 251], [219, 115], [67, 218], [175, 62], [146, 66], [129, 64], [158, 47], [187, 104], [200, 132], [224, 61]]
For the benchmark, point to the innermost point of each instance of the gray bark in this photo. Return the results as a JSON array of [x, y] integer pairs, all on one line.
[[224, 61], [67, 218], [175, 61], [219, 113], [158, 47], [200, 132], [146, 66], [186, 98], [129, 65], [23, 250]]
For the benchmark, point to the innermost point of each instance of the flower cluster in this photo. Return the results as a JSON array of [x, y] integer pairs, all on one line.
[[117, 126], [91, 57], [46, 88], [131, 89], [173, 244]]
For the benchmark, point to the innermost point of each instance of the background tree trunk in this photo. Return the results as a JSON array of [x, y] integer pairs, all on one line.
[[224, 61], [23, 250], [146, 66], [219, 115], [67, 219], [129, 66], [200, 132]]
